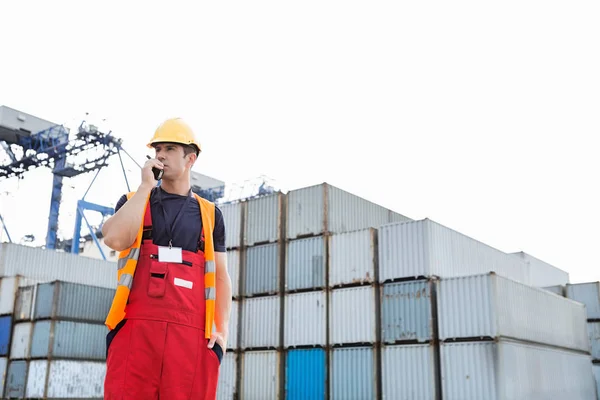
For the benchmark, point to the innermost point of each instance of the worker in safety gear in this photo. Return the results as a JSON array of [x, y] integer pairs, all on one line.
[[169, 320]]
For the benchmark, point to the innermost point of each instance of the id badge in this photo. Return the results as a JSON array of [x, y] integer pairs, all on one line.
[[169, 254]]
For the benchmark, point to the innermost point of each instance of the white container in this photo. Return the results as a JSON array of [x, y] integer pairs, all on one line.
[[305, 264], [263, 219], [541, 273], [65, 379], [25, 303], [352, 315], [492, 306], [352, 257], [227, 377], [232, 218], [419, 380], [232, 339], [9, 286], [21, 341], [261, 322], [587, 293], [3, 368], [425, 249], [233, 267], [510, 370], [46, 265], [559, 289], [260, 375], [594, 337], [299, 309], [596, 372]]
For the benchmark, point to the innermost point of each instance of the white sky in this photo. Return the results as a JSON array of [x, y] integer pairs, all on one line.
[[482, 116]]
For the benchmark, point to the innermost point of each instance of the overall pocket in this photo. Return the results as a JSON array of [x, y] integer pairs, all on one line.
[[157, 284]]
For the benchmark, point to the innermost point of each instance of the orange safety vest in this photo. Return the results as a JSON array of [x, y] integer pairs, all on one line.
[[128, 259]]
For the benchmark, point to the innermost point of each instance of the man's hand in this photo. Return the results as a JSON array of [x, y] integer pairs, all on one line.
[[220, 338]]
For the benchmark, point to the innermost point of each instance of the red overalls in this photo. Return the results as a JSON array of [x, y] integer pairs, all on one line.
[[159, 350]]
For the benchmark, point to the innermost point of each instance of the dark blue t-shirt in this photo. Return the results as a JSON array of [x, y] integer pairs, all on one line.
[[186, 233]]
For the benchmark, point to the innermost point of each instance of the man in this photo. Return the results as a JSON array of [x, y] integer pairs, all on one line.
[[169, 319]]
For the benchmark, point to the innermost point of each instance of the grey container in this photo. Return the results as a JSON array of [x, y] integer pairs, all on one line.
[[263, 219], [353, 373], [594, 336], [408, 372], [558, 289], [15, 380], [305, 264], [232, 218], [24, 303], [70, 340], [63, 300], [262, 270], [327, 209], [407, 311], [587, 293]]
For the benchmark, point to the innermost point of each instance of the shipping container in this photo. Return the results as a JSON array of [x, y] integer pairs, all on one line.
[[232, 339], [67, 339], [305, 264], [305, 374], [260, 375], [232, 218], [596, 372], [262, 270], [305, 319], [352, 315], [46, 265], [24, 303], [407, 311], [261, 322], [352, 258], [263, 219], [353, 373], [233, 267], [64, 300], [493, 306], [559, 290], [226, 388], [326, 209], [65, 379], [594, 337], [15, 380], [541, 273], [425, 248], [409, 372], [3, 366], [5, 334], [506, 370], [21, 341], [9, 286], [587, 293]]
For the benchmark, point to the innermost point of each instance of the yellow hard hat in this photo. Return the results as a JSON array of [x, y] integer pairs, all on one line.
[[175, 130]]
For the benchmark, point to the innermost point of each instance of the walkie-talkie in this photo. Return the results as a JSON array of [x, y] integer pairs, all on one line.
[[158, 173]]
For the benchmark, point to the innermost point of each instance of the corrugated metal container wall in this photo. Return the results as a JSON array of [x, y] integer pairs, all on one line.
[[9, 286], [559, 290], [352, 315], [66, 379], [492, 306], [65, 300], [588, 294], [24, 303], [233, 326], [263, 219], [542, 273], [15, 380], [353, 374], [510, 370], [227, 377], [426, 248], [233, 266], [75, 340], [305, 264], [260, 375], [46, 265], [3, 366], [232, 218], [596, 372], [261, 322], [348, 212], [305, 319], [406, 311], [262, 270], [408, 372], [594, 337], [5, 331], [305, 374], [352, 257], [305, 211], [19, 348]]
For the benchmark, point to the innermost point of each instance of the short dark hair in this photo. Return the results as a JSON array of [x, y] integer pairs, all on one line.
[[189, 149]]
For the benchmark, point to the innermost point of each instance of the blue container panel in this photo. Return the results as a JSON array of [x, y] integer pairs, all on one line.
[[15, 380], [353, 374], [305, 374], [5, 331], [305, 264], [262, 270]]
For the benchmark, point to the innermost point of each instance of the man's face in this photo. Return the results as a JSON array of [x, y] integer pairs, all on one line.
[[174, 159]]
